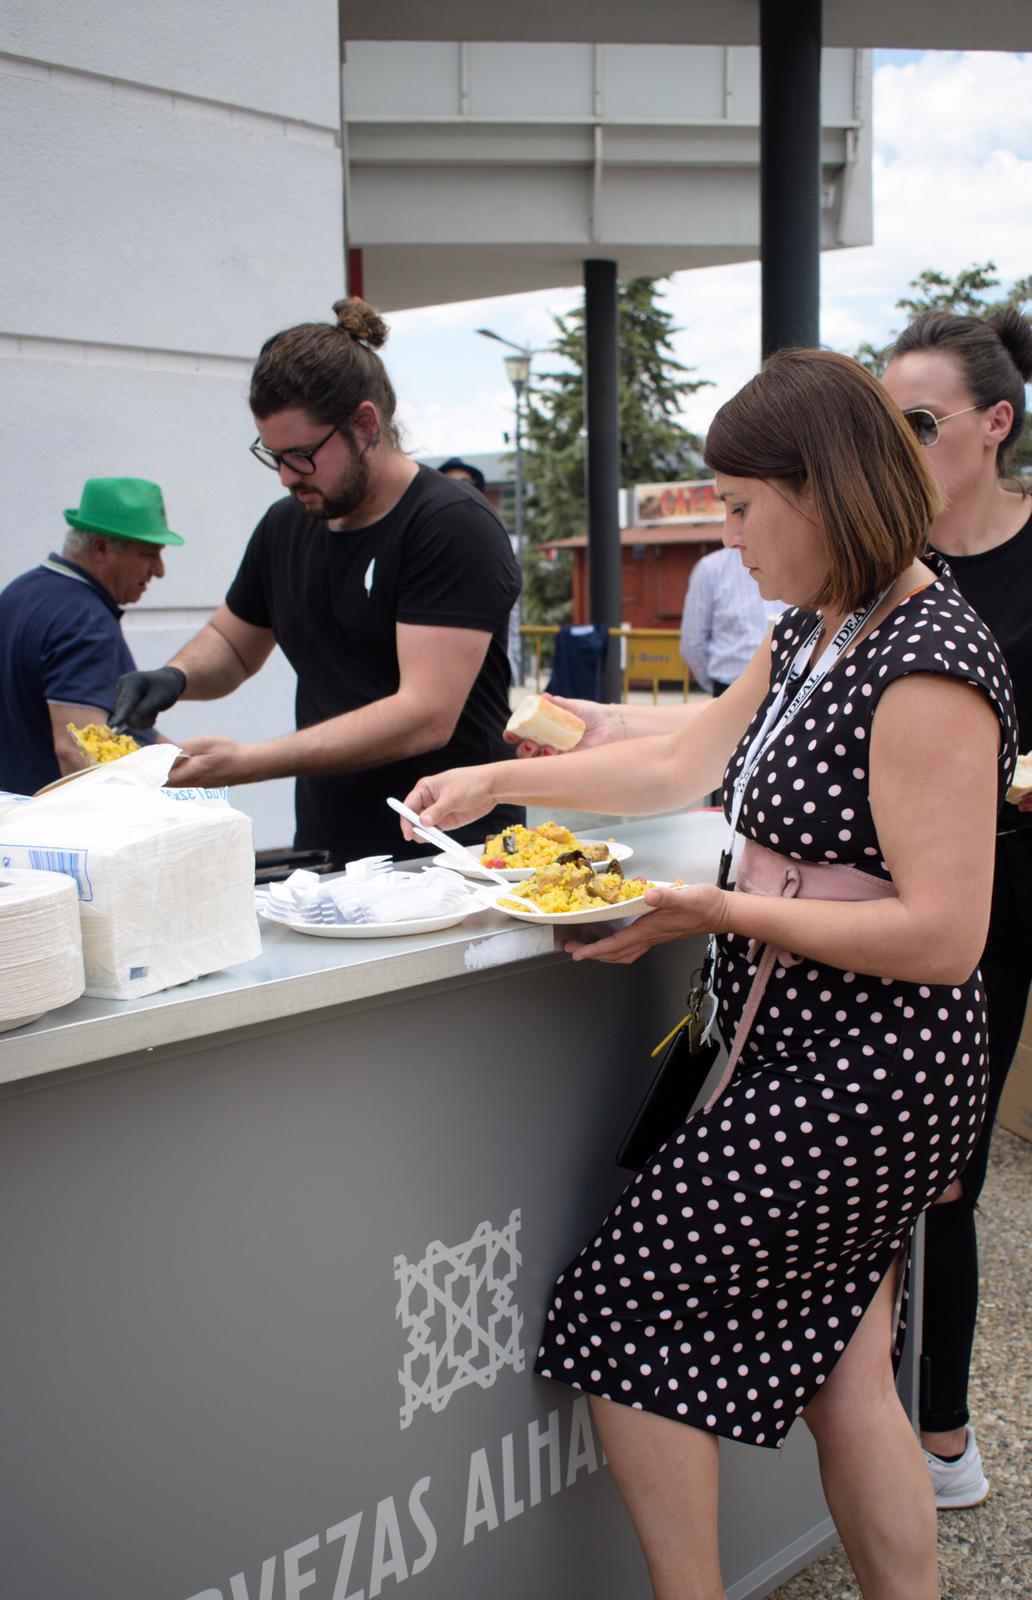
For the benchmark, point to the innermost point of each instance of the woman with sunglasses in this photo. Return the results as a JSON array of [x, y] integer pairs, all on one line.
[[754, 1270], [960, 382]]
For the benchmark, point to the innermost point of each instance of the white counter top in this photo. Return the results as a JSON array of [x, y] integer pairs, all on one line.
[[296, 973]]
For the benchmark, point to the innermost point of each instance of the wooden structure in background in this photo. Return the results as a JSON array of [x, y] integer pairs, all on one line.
[[675, 524]]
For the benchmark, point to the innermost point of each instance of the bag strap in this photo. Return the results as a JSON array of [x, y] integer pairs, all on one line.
[[789, 880]]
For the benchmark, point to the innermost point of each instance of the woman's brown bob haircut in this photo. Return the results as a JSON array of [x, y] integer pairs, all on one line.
[[811, 419]]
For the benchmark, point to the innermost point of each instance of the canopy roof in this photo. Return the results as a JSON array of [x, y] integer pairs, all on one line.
[[873, 24]]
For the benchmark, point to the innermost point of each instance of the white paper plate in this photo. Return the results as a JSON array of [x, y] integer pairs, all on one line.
[[373, 930], [617, 852], [563, 919]]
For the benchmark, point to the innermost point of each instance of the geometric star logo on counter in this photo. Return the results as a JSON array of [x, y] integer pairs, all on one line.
[[456, 1304]]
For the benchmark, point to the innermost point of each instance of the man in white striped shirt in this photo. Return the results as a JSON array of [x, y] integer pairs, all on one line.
[[725, 618]]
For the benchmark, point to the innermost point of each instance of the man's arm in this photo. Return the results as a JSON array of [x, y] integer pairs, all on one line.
[[437, 668], [219, 658], [214, 663], [696, 626]]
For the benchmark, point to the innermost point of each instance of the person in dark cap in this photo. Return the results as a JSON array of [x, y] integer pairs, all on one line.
[[455, 467], [62, 649]]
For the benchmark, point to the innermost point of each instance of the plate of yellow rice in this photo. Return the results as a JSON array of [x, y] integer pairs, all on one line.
[[97, 743], [572, 893], [519, 852]]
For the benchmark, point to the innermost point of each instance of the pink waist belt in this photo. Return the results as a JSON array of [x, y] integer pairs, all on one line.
[[763, 871]]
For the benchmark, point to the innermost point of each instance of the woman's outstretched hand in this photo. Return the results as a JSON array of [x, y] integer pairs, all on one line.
[[450, 799], [602, 726], [677, 914]]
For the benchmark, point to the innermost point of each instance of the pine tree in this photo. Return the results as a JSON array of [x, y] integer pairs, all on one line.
[[655, 446]]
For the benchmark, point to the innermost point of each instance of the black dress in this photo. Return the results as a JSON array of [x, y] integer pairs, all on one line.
[[727, 1281]]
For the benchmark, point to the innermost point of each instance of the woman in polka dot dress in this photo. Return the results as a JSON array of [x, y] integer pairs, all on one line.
[[754, 1269]]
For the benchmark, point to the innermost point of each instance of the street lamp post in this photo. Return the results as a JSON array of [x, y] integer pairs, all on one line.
[[517, 367]]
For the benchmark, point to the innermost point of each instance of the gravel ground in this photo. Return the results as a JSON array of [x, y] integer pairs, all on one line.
[[984, 1553]]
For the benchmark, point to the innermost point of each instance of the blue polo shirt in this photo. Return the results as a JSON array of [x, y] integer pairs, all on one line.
[[60, 639]]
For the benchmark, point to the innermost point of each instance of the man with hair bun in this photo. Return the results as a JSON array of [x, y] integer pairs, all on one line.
[[387, 585]]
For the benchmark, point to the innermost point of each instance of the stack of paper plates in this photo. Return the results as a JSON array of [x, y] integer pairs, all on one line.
[[40, 945]]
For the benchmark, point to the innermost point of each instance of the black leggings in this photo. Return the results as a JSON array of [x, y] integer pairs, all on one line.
[[951, 1248]]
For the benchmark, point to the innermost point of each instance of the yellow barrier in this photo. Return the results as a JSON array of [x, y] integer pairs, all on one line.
[[652, 655]]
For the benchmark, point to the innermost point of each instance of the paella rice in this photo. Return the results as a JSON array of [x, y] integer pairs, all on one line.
[[98, 743], [573, 887], [536, 847]]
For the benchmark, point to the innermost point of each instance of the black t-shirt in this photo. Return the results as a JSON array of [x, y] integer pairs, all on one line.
[[998, 584], [439, 558]]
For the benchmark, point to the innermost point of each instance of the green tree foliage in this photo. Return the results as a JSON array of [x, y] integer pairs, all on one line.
[[964, 296], [654, 445]]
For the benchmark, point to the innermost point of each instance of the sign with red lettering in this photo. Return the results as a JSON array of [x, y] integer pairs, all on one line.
[[676, 502]]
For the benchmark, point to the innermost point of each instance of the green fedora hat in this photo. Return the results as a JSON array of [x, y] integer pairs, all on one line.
[[126, 508]]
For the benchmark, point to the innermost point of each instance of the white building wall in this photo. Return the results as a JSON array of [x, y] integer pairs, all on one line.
[[171, 196]]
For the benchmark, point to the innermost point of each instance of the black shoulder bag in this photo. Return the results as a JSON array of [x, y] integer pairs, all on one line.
[[683, 1069]]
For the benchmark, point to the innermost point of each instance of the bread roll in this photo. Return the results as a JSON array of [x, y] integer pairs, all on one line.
[[544, 723], [1021, 783]]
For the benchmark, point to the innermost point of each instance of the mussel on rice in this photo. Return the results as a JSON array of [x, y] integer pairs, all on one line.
[[573, 858]]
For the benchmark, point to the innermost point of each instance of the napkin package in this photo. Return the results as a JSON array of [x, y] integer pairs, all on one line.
[[165, 883]]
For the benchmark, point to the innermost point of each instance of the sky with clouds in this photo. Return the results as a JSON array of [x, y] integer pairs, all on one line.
[[952, 186]]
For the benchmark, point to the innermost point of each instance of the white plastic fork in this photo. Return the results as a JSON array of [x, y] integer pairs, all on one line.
[[453, 848]]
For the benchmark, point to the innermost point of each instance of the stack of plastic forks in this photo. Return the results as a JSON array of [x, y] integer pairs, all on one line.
[[305, 895]]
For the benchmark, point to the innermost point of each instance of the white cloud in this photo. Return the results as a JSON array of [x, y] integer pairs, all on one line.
[[467, 427], [954, 107], [952, 186]]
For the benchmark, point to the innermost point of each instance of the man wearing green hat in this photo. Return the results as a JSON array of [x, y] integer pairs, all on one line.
[[62, 649]]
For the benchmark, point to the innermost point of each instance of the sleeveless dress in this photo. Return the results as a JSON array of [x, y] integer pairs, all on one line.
[[726, 1282]]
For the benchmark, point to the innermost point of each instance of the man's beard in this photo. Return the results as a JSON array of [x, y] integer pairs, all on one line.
[[346, 495]]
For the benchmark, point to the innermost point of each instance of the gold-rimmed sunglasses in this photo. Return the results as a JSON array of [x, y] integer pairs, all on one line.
[[926, 425]]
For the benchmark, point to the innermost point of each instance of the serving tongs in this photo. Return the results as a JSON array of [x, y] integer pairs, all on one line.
[[451, 847]]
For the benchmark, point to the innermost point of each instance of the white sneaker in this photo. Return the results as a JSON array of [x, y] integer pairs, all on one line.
[[959, 1483]]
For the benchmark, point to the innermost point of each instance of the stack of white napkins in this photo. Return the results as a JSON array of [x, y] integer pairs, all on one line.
[[382, 897], [165, 879]]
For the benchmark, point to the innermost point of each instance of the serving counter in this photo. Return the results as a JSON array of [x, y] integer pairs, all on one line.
[[275, 1250]]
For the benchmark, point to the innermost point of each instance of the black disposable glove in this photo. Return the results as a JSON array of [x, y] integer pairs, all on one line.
[[140, 696]]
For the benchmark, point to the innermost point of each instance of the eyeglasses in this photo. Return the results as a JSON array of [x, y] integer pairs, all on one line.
[[301, 461], [926, 425]]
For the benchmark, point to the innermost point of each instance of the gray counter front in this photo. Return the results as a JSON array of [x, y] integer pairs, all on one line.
[[276, 1247]]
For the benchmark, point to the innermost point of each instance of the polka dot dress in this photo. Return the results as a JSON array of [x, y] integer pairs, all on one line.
[[727, 1281]]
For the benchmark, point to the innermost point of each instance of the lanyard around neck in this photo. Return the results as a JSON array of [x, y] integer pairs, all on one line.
[[774, 723], [777, 718]]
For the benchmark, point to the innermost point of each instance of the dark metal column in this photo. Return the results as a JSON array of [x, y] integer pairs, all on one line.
[[602, 418], [790, 172]]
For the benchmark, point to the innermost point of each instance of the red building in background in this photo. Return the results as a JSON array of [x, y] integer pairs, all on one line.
[[673, 526]]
